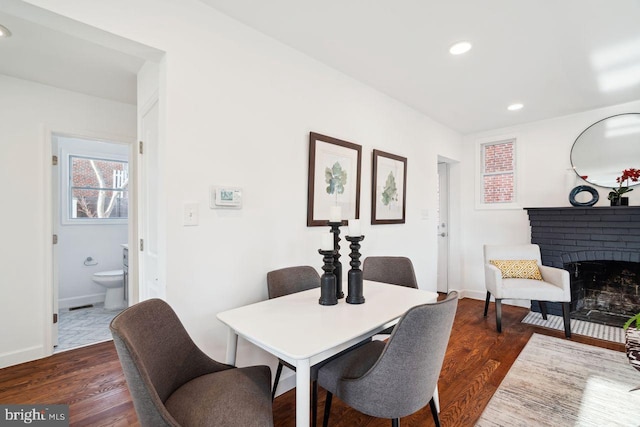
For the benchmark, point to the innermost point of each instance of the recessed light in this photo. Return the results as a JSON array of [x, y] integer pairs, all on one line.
[[4, 31], [515, 107], [460, 48]]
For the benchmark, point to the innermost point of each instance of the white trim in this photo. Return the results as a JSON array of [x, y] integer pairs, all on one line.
[[20, 356], [64, 303], [516, 138]]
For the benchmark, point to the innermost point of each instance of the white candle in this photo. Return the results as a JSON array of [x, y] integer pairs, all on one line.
[[327, 242], [335, 214], [354, 228]]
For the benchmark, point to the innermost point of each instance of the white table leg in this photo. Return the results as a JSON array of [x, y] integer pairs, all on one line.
[[232, 347], [303, 396], [436, 398]]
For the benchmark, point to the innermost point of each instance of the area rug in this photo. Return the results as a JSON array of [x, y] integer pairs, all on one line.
[[558, 382], [579, 327]]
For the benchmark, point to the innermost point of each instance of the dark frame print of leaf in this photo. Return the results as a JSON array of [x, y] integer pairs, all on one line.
[[388, 188], [334, 179]]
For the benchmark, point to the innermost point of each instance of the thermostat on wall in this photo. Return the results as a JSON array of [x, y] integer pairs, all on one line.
[[226, 197]]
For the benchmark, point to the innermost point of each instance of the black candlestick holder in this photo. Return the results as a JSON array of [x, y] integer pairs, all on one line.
[[335, 229], [354, 277], [328, 279]]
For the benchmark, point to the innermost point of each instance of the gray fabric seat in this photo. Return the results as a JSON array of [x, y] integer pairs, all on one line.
[[399, 377], [395, 270], [173, 383]]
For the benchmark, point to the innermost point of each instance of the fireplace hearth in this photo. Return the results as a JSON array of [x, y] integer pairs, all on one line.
[[604, 292], [600, 247]]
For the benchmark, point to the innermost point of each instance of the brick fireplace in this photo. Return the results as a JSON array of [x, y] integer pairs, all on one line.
[[600, 247]]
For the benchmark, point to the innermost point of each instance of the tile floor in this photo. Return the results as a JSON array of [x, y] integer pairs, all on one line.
[[83, 326]]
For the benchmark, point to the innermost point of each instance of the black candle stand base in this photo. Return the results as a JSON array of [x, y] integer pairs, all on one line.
[[335, 229], [354, 277], [328, 279]]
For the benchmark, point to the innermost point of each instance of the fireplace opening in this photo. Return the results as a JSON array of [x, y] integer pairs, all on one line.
[[605, 292]]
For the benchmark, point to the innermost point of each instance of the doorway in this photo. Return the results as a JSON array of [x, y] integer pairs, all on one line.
[[443, 227], [90, 222]]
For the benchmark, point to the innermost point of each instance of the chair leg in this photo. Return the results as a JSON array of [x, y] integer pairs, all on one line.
[[434, 412], [566, 308], [395, 422], [543, 309], [499, 315], [486, 303], [327, 409], [275, 382], [314, 404]]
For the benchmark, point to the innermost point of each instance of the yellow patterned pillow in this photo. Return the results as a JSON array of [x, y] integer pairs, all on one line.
[[518, 268]]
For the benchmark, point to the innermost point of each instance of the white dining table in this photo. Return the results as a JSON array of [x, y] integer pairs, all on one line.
[[297, 329]]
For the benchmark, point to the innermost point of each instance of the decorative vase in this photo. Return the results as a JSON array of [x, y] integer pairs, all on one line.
[[620, 201]]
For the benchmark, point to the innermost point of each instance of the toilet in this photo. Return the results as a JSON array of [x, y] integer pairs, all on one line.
[[113, 280]]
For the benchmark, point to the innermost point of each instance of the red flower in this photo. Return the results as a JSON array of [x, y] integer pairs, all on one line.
[[627, 174]]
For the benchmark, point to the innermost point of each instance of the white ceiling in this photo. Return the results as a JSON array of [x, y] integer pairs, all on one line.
[[557, 57], [44, 55]]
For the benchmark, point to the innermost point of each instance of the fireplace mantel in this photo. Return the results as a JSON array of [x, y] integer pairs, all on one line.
[[574, 234]]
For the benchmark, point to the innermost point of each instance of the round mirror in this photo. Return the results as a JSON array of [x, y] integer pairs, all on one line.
[[606, 148]]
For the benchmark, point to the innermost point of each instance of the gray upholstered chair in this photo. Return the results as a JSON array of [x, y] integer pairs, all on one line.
[[390, 269], [553, 284], [173, 383], [398, 378]]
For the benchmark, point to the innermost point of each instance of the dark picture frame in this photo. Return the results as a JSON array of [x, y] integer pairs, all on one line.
[[388, 188], [334, 179]]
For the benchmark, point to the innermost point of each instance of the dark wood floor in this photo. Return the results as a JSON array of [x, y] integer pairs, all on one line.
[[91, 381]]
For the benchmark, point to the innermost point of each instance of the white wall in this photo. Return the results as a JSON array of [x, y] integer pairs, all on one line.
[[238, 111], [26, 110], [545, 181], [77, 241]]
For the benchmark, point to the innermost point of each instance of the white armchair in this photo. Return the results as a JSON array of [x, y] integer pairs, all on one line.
[[554, 286]]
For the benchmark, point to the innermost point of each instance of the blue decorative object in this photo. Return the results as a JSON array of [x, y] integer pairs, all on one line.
[[579, 189]]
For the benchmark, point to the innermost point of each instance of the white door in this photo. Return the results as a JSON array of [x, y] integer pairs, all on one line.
[[149, 280], [443, 227]]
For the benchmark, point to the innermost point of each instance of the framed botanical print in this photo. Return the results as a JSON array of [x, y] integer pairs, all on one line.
[[389, 188], [334, 180]]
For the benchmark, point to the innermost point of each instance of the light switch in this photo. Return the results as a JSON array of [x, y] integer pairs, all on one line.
[[191, 214]]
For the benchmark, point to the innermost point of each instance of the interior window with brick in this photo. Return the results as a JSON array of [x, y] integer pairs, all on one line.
[[98, 188], [498, 172]]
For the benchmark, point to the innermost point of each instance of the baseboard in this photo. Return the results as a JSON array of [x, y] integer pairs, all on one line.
[[482, 295], [21, 356], [80, 301], [466, 293]]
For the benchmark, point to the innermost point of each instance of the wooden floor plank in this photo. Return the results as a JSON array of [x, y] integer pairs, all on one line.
[[91, 381]]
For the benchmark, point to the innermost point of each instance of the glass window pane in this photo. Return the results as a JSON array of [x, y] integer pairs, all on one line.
[[98, 173], [498, 188], [498, 157], [98, 188], [99, 203]]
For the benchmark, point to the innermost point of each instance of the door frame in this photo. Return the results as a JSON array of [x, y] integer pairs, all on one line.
[[443, 172], [50, 256]]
